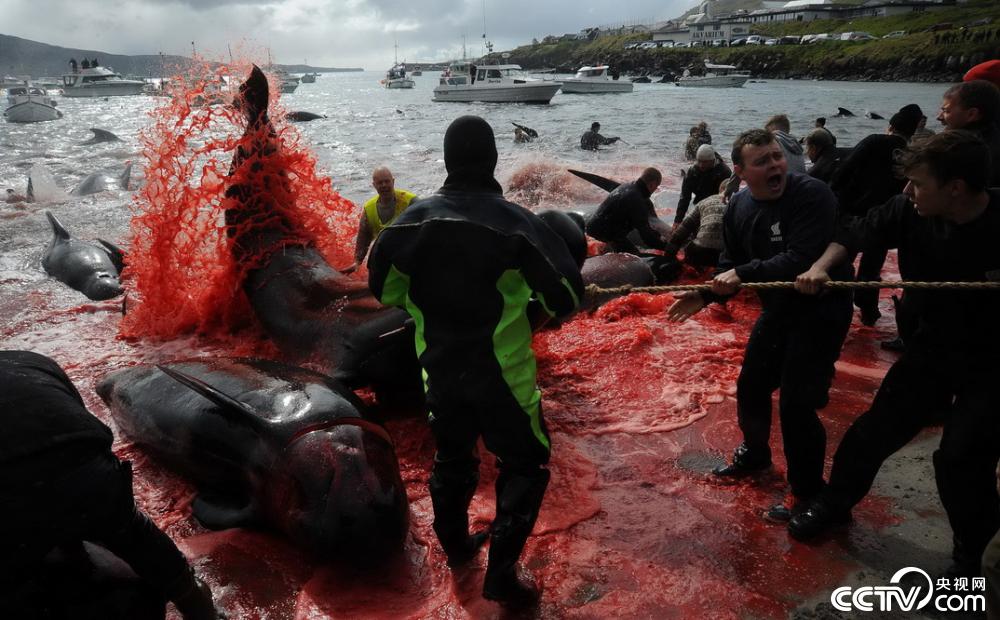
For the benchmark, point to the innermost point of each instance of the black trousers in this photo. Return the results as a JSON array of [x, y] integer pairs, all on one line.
[[792, 349], [869, 270], [92, 502], [699, 256], [914, 393]]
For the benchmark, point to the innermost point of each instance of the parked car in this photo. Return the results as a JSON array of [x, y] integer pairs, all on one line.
[[789, 40], [738, 42], [755, 39], [820, 38], [857, 35], [720, 43], [633, 45], [808, 38], [646, 45], [895, 34]]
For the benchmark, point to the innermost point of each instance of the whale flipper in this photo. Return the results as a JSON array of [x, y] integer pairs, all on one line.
[[220, 514], [229, 407], [606, 184], [528, 130], [116, 253], [101, 135]]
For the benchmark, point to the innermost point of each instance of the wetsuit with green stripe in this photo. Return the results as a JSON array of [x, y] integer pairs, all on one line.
[[465, 265]]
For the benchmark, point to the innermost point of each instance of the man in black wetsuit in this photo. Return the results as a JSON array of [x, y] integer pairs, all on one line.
[[592, 139], [465, 263], [822, 152], [867, 178], [773, 230], [60, 485], [629, 208], [946, 227]]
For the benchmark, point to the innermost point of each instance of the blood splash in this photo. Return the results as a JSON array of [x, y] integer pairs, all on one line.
[[639, 410]]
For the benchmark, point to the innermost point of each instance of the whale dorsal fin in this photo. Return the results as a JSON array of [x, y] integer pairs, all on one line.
[[126, 176], [102, 135], [229, 407], [606, 184], [116, 253], [57, 228]]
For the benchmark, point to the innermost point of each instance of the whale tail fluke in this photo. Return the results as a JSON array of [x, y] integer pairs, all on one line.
[[253, 94], [57, 228]]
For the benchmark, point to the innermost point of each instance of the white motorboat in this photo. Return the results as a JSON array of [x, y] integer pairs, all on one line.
[[716, 76], [594, 80], [99, 82], [10, 81], [30, 104], [396, 77], [466, 82]]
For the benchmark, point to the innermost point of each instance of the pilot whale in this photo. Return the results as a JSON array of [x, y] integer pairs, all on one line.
[[91, 269], [308, 308], [271, 445]]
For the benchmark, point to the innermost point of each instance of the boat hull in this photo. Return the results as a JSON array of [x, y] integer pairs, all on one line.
[[716, 81], [31, 112], [104, 90], [541, 93], [399, 83], [585, 87]]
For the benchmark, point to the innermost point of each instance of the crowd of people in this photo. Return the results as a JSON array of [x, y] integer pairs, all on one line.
[[927, 198]]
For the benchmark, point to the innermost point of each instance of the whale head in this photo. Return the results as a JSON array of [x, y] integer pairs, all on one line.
[[338, 492]]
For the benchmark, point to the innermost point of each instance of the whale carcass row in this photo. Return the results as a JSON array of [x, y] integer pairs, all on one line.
[[268, 444], [91, 269], [306, 306]]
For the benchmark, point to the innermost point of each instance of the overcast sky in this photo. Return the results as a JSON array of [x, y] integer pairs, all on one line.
[[326, 32]]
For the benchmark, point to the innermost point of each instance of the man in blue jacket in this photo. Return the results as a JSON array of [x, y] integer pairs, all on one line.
[[774, 228]]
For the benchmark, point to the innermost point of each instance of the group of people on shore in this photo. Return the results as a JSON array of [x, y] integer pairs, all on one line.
[[517, 271]]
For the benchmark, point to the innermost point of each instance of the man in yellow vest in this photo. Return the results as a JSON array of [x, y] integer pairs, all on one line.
[[380, 211]]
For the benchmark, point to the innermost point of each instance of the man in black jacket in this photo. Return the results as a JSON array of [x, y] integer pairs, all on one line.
[[701, 180], [822, 152], [945, 227], [629, 208], [60, 485], [465, 264], [975, 106], [591, 140], [867, 178], [772, 230]]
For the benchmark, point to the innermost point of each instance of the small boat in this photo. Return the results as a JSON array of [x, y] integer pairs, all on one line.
[[594, 80], [466, 82], [308, 78], [396, 77], [716, 76], [289, 86], [99, 82], [30, 104], [10, 81]]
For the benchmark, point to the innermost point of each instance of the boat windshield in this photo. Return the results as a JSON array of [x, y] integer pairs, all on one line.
[[590, 73]]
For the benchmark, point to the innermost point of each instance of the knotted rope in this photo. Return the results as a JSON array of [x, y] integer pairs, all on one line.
[[967, 286]]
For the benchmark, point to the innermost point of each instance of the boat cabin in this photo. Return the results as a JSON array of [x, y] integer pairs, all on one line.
[[592, 72], [24, 91], [93, 75]]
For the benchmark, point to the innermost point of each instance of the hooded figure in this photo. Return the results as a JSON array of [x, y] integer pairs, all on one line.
[[466, 264]]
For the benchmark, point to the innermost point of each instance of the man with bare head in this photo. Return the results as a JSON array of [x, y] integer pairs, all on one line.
[[629, 208], [781, 223], [379, 212]]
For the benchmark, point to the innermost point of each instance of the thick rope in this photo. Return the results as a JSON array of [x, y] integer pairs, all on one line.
[[620, 290]]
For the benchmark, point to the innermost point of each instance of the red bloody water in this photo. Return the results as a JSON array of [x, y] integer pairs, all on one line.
[[639, 410]]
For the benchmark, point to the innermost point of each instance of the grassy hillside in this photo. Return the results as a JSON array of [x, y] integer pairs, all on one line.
[[913, 57]]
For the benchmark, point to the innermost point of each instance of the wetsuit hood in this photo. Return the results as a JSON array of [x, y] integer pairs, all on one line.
[[470, 156]]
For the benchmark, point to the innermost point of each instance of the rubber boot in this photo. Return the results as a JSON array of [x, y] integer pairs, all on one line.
[[519, 498], [452, 485]]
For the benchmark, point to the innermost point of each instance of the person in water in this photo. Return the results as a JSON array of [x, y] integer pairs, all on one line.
[[465, 263], [60, 485], [866, 179], [701, 180], [945, 226], [626, 209], [772, 231], [379, 212], [591, 140]]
